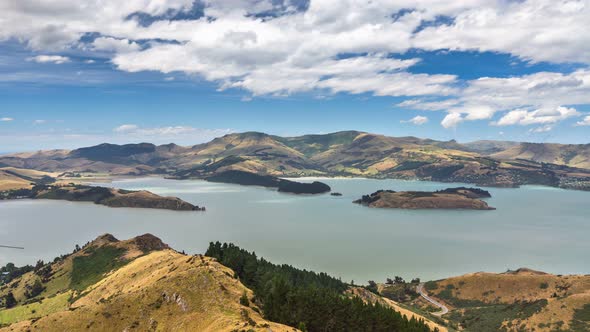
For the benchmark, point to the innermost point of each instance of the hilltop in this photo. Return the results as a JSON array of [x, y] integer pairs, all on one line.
[[142, 284], [347, 153]]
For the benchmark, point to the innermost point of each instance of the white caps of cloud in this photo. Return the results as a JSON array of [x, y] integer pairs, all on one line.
[[542, 129], [452, 120], [418, 120], [169, 133], [57, 59], [539, 116], [584, 122], [425, 105], [126, 128], [110, 44], [6, 119]]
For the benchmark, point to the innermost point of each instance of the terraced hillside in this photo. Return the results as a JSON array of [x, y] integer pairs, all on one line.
[[348, 153]]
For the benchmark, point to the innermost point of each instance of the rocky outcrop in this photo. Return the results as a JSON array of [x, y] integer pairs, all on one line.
[[451, 198]]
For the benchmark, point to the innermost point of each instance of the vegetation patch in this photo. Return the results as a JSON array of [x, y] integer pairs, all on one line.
[[36, 309], [581, 319], [91, 268], [301, 298], [491, 318]]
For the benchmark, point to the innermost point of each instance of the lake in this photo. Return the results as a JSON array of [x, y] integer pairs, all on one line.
[[537, 227]]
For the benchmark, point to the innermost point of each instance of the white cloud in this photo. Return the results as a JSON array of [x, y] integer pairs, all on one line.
[[584, 122], [540, 116], [6, 119], [418, 120], [539, 30], [39, 121], [57, 59], [126, 128], [452, 120], [333, 46], [170, 133], [425, 105], [109, 44], [542, 129]]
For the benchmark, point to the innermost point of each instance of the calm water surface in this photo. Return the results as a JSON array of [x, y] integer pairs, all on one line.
[[537, 227]]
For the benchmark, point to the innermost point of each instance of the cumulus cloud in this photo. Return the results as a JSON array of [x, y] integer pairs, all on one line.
[[418, 120], [57, 59], [109, 44], [6, 119], [584, 122], [452, 120], [539, 116], [538, 30], [271, 47]]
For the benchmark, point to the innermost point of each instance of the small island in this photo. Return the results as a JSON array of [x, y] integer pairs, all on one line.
[[110, 197], [269, 181], [450, 198]]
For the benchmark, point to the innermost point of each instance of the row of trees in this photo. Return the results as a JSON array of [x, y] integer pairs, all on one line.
[[308, 300]]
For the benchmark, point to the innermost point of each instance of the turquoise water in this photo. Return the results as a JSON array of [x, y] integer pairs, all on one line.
[[536, 227]]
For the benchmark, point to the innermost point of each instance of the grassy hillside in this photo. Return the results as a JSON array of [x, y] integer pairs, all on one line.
[[135, 284], [12, 178], [347, 153], [575, 155], [522, 300], [141, 284]]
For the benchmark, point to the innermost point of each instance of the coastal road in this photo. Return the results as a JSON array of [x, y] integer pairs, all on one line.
[[443, 308]]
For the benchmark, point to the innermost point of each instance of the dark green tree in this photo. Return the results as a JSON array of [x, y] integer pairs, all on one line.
[[9, 300]]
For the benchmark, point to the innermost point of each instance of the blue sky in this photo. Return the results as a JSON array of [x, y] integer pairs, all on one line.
[[178, 76]]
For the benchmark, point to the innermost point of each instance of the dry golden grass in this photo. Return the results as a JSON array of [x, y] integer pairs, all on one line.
[[17, 178], [162, 291], [564, 294]]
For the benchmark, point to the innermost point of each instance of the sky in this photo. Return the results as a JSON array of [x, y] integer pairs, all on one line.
[[78, 73]]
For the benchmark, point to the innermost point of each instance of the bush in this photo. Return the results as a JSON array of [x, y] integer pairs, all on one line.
[[244, 300]]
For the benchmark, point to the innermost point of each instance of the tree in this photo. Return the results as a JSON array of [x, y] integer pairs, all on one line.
[[372, 286], [389, 281], [416, 280], [9, 300], [35, 290], [399, 280], [244, 300]]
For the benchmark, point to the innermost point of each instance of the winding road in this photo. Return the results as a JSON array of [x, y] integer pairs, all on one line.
[[443, 308]]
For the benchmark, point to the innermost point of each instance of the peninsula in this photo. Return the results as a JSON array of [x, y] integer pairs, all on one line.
[[110, 197]]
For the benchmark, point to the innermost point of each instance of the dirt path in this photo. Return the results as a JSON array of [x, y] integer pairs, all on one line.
[[443, 308]]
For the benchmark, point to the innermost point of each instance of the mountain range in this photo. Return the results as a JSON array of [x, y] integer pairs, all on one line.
[[346, 153]]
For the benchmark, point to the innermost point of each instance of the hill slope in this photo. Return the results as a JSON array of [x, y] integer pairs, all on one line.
[[348, 153], [522, 300], [135, 284], [142, 284]]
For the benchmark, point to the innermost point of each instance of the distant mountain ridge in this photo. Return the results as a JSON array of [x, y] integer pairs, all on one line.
[[345, 153]]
